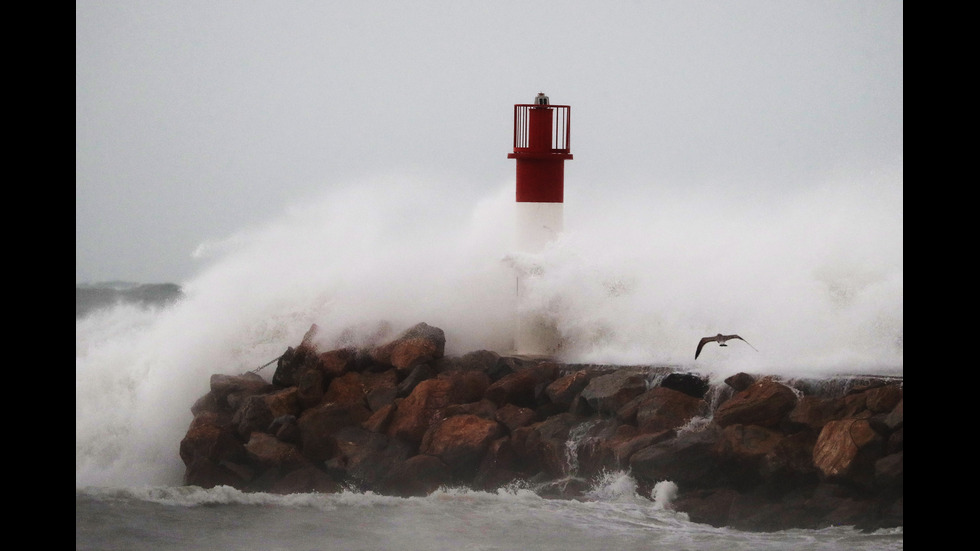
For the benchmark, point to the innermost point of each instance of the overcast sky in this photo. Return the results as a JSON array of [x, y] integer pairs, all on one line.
[[196, 119]]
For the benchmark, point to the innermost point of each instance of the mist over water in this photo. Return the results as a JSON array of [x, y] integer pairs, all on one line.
[[812, 277]]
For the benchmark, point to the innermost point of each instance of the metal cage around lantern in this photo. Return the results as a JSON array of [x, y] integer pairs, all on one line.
[[553, 135]]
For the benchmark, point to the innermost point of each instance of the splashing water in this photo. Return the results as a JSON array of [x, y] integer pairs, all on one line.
[[663, 493], [813, 279]]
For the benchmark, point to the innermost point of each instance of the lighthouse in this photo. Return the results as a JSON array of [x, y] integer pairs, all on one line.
[[541, 147]]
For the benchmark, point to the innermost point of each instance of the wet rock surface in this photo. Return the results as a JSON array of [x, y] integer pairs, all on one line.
[[754, 452]]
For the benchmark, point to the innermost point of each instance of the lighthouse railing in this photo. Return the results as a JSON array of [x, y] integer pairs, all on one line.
[[560, 130]]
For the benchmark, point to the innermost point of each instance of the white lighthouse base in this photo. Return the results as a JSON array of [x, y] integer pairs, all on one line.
[[538, 224]]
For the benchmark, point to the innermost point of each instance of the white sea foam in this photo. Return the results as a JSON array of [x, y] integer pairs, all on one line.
[[663, 493]]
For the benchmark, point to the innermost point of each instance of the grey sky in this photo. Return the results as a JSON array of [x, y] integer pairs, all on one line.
[[195, 119]]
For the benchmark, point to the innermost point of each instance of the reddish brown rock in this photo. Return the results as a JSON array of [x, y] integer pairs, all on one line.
[[292, 362], [847, 449], [815, 411], [208, 474], [747, 443], [564, 389], [310, 386], [419, 475], [889, 474], [499, 466], [487, 361], [379, 420], [420, 344], [346, 389], [380, 389], [369, 458], [211, 437], [513, 417], [424, 405], [318, 425], [769, 460], [335, 363], [542, 447], [592, 445], [765, 403], [460, 442], [791, 459], [285, 428], [740, 381], [522, 387], [884, 398], [663, 409], [484, 408], [258, 412], [304, 480], [267, 451], [895, 420], [624, 450]]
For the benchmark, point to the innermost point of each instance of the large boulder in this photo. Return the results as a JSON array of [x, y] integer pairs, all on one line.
[[815, 411], [422, 343], [889, 474], [606, 394], [368, 458], [847, 450], [258, 412], [662, 408], [380, 388], [524, 387], [417, 412], [513, 417], [318, 425], [419, 475], [564, 389], [229, 391], [293, 362], [689, 460], [303, 480], [461, 442], [883, 399], [765, 403], [542, 448], [267, 451], [335, 363], [211, 438], [691, 384]]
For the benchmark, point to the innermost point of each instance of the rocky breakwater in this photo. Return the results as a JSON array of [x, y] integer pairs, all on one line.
[[754, 453]]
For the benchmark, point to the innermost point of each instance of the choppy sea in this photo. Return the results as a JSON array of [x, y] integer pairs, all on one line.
[[613, 517]]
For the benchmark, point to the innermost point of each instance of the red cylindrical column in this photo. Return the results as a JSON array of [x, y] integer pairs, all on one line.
[[540, 181], [540, 120]]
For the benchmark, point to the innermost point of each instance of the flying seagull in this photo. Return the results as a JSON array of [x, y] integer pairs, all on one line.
[[720, 339]]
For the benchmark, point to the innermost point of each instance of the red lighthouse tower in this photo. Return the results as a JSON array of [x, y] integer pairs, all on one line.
[[541, 133], [541, 147]]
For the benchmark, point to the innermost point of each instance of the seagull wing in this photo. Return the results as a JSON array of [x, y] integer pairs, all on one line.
[[701, 345], [745, 341]]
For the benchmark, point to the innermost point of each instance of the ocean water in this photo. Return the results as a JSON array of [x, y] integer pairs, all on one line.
[[812, 278], [511, 519]]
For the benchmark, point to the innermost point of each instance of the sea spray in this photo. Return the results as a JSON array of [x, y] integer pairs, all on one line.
[[814, 281], [663, 493]]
